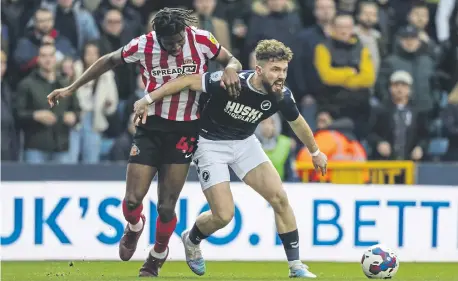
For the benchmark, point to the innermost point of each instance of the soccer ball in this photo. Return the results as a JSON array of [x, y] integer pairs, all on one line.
[[380, 262]]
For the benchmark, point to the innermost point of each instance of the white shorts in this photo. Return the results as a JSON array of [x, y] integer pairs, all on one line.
[[214, 157]]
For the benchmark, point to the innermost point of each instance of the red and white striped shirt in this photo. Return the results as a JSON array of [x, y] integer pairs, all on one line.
[[157, 68]]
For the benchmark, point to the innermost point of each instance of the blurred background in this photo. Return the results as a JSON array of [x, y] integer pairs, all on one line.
[[376, 80]]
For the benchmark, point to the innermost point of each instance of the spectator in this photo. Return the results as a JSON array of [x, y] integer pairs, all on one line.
[[419, 18], [274, 20], [306, 11], [447, 33], [26, 53], [68, 69], [10, 140], [412, 56], [384, 20], [115, 35], [218, 27], [46, 132], [400, 130], [400, 8], [276, 146], [16, 14], [303, 77], [131, 17], [369, 36], [345, 67], [98, 99], [74, 22], [347, 6], [140, 7], [237, 14], [450, 121], [337, 140], [91, 5]]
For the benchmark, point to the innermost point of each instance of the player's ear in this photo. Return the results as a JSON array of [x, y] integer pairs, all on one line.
[[258, 69]]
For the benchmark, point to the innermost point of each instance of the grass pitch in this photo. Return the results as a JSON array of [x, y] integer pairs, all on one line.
[[216, 271]]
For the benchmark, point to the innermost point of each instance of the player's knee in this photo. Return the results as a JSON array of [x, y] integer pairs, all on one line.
[[279, 201], [166, 212], [223, 217]]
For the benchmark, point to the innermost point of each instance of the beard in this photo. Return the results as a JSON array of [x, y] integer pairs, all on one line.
[[367, 25], [275, 88]]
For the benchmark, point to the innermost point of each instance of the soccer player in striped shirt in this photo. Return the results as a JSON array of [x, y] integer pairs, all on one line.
[[166, 142]]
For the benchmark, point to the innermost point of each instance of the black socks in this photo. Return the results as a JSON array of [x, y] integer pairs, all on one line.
[[290, 242], [196, 236]]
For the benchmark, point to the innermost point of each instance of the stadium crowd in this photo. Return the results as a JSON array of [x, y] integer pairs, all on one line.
[[374, 79]]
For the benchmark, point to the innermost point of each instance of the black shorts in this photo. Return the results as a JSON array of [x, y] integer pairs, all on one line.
[[154, 148]]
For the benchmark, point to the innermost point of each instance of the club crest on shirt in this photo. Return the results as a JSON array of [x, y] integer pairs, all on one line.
[[266, 105]]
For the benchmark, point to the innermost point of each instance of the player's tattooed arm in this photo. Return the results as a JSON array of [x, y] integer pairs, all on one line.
[[305, 134], [102, 65]]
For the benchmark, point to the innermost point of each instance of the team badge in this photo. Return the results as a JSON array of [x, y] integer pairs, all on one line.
[[134, 151], [266, 105]]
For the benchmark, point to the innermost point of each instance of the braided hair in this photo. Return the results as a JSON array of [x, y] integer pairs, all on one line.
[[171, 21]]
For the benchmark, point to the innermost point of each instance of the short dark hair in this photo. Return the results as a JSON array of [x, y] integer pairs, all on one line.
[[366, 3], [268, 50], [342, 14], [46, 44], [42, 9], [418, 5], [93, 42], [171, 21]]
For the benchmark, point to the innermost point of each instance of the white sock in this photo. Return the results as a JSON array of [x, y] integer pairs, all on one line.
[[159, 255], [295, 263], [136, 227]]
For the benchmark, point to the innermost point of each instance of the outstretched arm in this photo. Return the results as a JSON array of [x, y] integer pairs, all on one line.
[[102, 65], [290, 112]]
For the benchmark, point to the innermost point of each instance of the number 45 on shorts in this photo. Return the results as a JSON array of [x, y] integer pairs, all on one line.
[[186, 144]]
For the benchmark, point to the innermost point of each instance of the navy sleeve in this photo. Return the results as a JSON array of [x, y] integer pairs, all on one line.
[[288, 107], [211, 82]]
